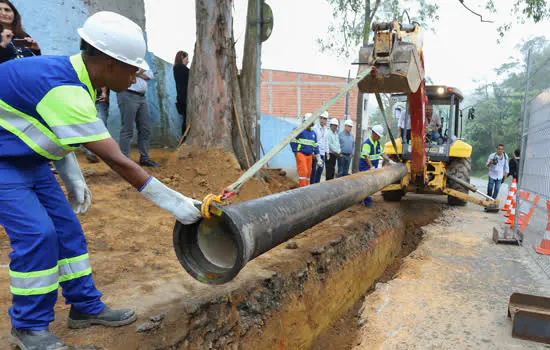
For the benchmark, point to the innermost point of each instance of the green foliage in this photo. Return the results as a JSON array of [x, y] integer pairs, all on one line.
[[352, 19], [498, 107], [523, 10]]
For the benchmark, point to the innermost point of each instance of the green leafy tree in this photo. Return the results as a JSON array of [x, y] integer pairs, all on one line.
[[523, 10], [352, 20], [498, 109]]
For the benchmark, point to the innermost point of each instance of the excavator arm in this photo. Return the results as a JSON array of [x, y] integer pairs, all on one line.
[[396, 54]]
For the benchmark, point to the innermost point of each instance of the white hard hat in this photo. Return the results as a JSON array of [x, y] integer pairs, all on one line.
[[378, 130], [324, 115], [305, 117], [348, 122], [334, 121], [116, 36]]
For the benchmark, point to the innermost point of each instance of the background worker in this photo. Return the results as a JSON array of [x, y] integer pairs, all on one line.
[[47, 110], [513, 166], [134, 109], [433, 124], [181, 77], [334, 149], [304, 147], [498, 170], [371, 154], [321, 130], [404, 126], [347, 146]]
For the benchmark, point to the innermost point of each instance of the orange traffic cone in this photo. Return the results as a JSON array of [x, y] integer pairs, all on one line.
[[544, 246], [512, 216], [511, 195], [513, 205]]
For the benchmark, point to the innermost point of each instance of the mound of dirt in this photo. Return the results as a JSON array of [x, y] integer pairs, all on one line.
[[129, 236]]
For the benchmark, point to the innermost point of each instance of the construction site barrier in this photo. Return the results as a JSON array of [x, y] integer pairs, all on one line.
[[531, 222]]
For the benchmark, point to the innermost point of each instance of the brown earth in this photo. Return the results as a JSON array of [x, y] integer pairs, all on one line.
[[129, 238], [343, 333], [284, 299]]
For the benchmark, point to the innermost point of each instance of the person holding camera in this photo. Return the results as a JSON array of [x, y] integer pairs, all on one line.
[[14, 41], [498, 170]]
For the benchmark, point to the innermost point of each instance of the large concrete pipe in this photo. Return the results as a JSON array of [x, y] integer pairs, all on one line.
[[214, 251]]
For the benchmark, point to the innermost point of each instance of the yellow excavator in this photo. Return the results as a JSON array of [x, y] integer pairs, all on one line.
[[437, 165]]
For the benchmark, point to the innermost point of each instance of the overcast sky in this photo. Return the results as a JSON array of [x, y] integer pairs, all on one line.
[[459, 52]]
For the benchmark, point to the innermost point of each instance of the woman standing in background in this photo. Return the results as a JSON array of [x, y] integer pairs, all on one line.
[[14, 41], [181, 76]]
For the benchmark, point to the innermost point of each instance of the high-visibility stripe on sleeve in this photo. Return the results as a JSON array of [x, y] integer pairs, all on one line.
[[80, 130], [76, 267], [34, 283], [32, 132]]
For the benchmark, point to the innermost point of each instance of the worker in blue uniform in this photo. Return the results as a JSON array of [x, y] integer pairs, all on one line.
[[46, 111], [371, 153], [304, 146]]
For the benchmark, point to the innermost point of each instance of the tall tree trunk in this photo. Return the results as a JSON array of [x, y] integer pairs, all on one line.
[[210, 106], [238, 109], [249, 70]]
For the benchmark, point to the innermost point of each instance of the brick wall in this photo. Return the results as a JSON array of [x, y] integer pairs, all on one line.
[[290, 94]]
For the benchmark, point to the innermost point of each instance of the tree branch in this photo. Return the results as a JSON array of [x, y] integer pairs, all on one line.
[[373, 12], [475, 13]]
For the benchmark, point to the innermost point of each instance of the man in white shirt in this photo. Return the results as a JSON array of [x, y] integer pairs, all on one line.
[[335, 151], [404, 125], [321, 130], [498, 170], [134, 108]]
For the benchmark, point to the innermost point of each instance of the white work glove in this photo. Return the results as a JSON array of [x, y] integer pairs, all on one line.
[[183, 208], [320, 163], [80, 197], [392, 162]]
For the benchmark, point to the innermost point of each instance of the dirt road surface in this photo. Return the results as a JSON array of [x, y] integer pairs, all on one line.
[[453, 291]]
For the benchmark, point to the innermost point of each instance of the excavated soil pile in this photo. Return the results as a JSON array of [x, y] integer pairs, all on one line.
[[129, 238], [284, 299]]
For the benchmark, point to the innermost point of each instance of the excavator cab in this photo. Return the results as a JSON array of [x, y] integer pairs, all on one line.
[[446, 153], [443, 103]]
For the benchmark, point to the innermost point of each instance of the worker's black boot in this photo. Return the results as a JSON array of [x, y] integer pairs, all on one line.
[[108, 317], [36, 340]]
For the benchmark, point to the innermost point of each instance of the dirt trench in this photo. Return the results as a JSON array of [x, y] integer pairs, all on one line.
[[288, 298]]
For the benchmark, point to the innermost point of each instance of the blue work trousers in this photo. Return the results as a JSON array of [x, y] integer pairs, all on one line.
[[493, 187], [344, 163], [316, 171], [363, 167], [48, 246]]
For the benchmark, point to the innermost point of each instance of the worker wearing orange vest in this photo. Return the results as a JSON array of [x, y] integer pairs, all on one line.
[[304, 147]]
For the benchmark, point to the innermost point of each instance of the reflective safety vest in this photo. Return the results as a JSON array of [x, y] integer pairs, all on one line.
[[306, 143], [371, 149], [47, 108]]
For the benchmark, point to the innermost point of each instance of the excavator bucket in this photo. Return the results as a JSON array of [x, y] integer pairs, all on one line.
[[397, 62]]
